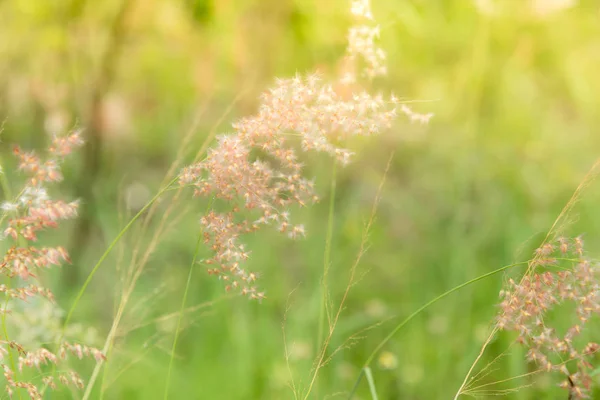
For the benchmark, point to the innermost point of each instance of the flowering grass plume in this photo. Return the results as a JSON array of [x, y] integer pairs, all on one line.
[[362, 46], [24, 218], [570, 278], [257, 166]]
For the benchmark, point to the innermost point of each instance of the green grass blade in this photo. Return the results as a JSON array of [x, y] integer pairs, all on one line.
[[418, 311], [327, 256], [107, 252], [182, 308], [371, 382]]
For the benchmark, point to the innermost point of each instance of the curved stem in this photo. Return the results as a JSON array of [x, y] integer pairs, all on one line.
[[107, 252], [418, 311], [97, 266], [371, 382]]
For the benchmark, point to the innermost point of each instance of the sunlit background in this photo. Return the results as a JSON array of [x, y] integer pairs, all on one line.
[[515, 89]]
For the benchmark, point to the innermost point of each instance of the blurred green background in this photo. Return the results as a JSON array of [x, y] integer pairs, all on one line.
[[515, 90]]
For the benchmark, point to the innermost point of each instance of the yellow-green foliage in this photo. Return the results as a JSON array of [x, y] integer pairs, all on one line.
[[516, 96]]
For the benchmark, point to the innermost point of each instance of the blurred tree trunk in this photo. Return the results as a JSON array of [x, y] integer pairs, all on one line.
[[92, 152]]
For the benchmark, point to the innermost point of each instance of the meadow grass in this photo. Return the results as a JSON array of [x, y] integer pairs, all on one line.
[[516, 104]]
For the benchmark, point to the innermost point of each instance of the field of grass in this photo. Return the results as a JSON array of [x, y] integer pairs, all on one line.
[[515, 93]]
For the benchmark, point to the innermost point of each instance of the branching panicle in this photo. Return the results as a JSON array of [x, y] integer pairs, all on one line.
[[268, 186], [525, 305], [26, 217]]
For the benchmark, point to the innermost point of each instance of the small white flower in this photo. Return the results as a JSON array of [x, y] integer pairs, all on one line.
[[9, 207], [34, 195]]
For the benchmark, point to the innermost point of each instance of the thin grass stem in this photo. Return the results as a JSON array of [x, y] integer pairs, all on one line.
[[182, 308], [99, 263], [419, 311], [371, 382], [327, 257], [107, 252]]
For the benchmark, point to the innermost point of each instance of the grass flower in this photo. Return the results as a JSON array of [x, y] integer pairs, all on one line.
[[526, 305], [256, 168], [25, 217]]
